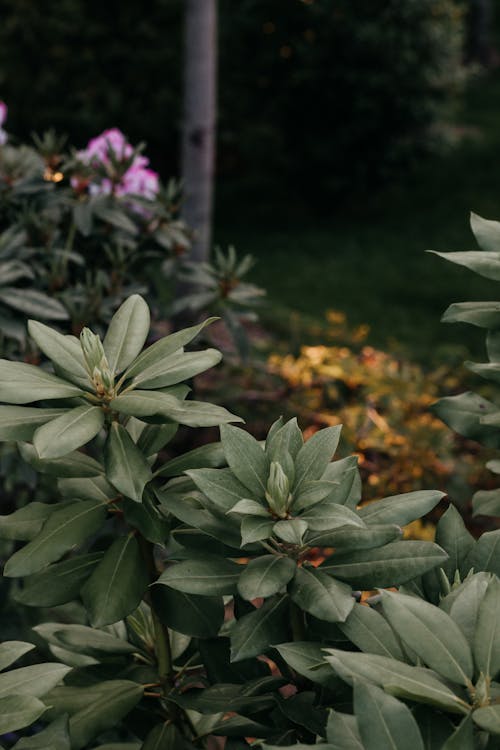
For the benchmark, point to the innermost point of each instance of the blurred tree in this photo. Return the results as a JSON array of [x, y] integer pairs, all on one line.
[[198, 134], [479, 26]]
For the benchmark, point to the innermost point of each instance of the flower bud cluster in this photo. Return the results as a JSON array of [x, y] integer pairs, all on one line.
[[278, 490], [97, 365]]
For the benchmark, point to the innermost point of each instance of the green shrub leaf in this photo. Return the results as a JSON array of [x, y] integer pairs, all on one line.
[[370, 632], [126, 467], [65, 528], [315, 455], [19, 711], [383, 721], [246, 458], [255, 633], [21, 384], [116, 586], [127, 333], [68, 432], [487, 635], [401, 509], [20, 422], [210, 576], [265, 576], [35, 680], [59, 583]]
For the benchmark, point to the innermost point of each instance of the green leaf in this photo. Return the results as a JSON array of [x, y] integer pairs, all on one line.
[[75, 464], [463, 414], [146, 518], [328, 516], [291, 531], [68, 432], [390, 565], [209, 576], [11, 651], [162, 349], [486, 232], [315, 455], [19, 711], [246, 459], [462, 737], [176, 368], [191, 614], [401, 509], [220, 486], [320, 595], [64, 351], [255, 633], [265, 576], [24, 524], [64, 529], [414, 683], [117, 584], [84, 640], [145, 404], [163, 736], [355, 538], [431, 634], [127, 333], [20, 422], [55, 737], [486, 503], [485, 555], [35, 680], [462, 604], [487, 636], [21, 384], [126, 467], [32, 302], [481, 314], [383, 721], [309, 661], [154, 437], [87, 488], [488, 718], [342, 732], [286, 439], [453, 537], [253, 529], [118, 698], [370, 632], [205, 458], [59, 583], [486, 264], [435, 728]]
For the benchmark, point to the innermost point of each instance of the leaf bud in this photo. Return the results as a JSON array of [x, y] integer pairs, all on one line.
[[278, 490]]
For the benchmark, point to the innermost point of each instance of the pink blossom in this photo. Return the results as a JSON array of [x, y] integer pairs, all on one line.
[[3, 117], [138, 179]]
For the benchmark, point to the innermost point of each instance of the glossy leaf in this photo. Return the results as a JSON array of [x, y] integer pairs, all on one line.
[[19, 711], [59, 583], [176, 368], [383, 721], [432, 634], [21, 384], [308, 660], [342, 732], [66, 527], [401, 509], [35, 680], [64, 351], [162, 349], [255, 633], [487, 634], [68, 432], [485, 554], [55, 737], [11, 651], [390, 565], [210, 576], [116, 586], [20, 422], [126, 467], [265, 576], [481, 314], [414, 683], [320, 595], [24, 524], [453, 537], [370, 632], [191, 614], [75, 464], [486, 264], [127, 333], [220, 486], [246, 458], [315, 455]]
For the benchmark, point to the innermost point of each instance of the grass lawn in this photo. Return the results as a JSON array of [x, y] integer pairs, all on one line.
[[369, 258]]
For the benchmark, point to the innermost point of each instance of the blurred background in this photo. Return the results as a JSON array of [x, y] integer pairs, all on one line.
[[352, 135]]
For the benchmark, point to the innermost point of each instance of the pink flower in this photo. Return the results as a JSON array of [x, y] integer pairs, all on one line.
[[3, 117], [137, 179]]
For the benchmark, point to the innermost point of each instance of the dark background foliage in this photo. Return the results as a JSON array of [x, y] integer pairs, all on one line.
[[332, 94]]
